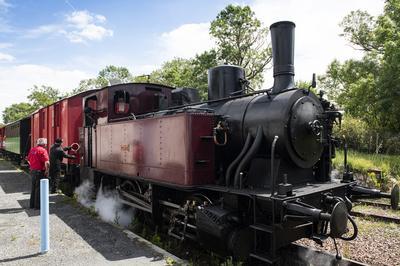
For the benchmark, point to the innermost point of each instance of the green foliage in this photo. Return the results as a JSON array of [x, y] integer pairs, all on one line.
[[179, 72], [301, 84], [113, 74], [176, 73], [39, 97], [361, 136], [43, 96], [368, 88], [107, 76], [156, 240], [362, 162], [242, 40], [86, 84], [17, 111]]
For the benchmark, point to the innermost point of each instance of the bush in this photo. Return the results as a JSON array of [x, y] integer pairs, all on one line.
[[362, 137]]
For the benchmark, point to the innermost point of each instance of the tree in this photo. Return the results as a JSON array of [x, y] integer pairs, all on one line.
[[43, 96], [179, 72], [242, 40], [201, 64], [369, 88], [17, 111], [108, 76], [86, 84], [113, 74]]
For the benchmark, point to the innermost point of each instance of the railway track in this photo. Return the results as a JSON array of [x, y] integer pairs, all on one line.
[[301, 255], [382, 218], [374, 203]]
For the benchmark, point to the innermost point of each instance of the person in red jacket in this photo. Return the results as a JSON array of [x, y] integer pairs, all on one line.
[[38, 160]]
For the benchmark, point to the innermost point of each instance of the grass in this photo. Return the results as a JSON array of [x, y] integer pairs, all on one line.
[[361, 163], [367, 225], [377, 210]]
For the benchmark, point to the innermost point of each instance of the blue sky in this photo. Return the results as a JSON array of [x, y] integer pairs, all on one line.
[[59, 43]]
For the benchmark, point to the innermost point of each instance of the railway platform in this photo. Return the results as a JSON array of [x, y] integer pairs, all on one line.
[[76, 238]]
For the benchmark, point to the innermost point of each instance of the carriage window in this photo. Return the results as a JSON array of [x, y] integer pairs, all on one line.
[[121, 102]]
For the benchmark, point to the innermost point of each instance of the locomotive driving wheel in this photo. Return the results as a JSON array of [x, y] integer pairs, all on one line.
[[181, 219], [133, 194]]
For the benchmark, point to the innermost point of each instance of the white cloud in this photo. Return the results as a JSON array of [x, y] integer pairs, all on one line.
[[185, 41], [4, 6], [4, 45], [317, 30], [85, 27], [16, 80], [6, 57], [78, 27], [80, 18]]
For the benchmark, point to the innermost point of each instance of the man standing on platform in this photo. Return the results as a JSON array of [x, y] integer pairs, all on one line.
[[38, 160], [57, 155]]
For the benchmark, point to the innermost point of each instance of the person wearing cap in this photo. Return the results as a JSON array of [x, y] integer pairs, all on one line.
[[38, 160], [57, 154]]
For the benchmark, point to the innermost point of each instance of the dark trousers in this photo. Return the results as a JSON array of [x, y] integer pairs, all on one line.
[[55, 181], [35, 190]]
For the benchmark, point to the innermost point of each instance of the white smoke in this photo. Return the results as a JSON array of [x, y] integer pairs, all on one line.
[[85, 193], [107, 204]]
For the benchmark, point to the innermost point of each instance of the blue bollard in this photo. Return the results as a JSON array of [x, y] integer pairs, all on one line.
[[44, 216]]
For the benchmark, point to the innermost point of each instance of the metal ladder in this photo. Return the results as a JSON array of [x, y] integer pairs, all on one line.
[[268, 230]]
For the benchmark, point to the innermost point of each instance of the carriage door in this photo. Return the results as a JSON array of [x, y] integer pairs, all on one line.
[[57, 121], [89, 136]]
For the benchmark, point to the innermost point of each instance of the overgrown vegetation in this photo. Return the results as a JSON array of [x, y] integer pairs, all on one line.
[[361, 163], [367, 88], [361, 137]]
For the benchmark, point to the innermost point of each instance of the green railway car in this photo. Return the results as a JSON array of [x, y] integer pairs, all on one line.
[[16, 140]]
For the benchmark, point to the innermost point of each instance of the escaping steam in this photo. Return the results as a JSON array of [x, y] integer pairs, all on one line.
[[107, 204]]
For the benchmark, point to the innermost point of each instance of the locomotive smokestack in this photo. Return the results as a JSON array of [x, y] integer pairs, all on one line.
[[282, 39]]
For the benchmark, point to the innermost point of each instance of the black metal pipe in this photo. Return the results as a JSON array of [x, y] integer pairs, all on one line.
[[357, 190], [282, 42], [249, 155], [315, 213], [237, 160], [272, 165]]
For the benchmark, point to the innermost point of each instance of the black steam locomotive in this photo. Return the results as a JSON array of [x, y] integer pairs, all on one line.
[[243, 173]]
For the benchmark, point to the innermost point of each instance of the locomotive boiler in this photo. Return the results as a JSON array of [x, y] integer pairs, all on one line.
[[244, 174]]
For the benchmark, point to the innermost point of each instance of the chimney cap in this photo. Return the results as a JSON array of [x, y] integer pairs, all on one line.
[[276, 24]]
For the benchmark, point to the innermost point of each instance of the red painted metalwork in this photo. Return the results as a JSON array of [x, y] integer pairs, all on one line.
[[59, 120], [173, 149]]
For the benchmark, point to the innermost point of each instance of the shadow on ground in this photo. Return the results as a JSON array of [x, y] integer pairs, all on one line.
[[108, 240]]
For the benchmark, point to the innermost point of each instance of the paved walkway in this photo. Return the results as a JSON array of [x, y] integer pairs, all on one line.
[[76, 238]]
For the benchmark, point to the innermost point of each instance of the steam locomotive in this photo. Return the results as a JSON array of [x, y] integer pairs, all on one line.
[[243, 173]]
